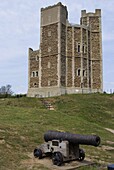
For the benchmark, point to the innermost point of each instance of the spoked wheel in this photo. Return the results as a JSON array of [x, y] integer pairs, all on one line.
[[81, 154], [57, 158], [38, 153]]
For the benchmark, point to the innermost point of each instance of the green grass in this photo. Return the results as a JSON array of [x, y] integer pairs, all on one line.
[[23, 122]]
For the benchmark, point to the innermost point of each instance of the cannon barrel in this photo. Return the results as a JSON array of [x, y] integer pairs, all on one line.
[[72, 138]]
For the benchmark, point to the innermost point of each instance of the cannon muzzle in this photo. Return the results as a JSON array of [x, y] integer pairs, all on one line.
[[93, 140]]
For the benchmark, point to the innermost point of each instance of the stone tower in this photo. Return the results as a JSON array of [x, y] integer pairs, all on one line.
[[70, 56], [53, 25], [93, 20]]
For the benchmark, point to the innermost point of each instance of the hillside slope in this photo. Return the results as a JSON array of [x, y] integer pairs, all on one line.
[[23, 122]]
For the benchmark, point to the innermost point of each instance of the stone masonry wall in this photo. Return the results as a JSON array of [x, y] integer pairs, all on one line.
[[33, 67], [94, 23], [89, 62], [49, 55], [49, 72], [77, 80], [95, 49], [63, 55], [95, 46], [49, 44], [69, 56], [77, 59], [96, 72], [77, 39], [85, 57]]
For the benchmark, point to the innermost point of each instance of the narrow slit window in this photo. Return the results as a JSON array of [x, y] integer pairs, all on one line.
[[84, 73], [78, 48], [78, 72], [84, 48], [36, 73], [33, 74]]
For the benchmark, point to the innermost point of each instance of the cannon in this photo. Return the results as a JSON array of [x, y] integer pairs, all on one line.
[[63, 146]]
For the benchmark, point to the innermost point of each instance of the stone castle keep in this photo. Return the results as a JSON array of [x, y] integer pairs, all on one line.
[[69, 60]]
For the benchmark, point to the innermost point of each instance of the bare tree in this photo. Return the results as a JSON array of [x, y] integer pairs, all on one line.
[[6, 90]]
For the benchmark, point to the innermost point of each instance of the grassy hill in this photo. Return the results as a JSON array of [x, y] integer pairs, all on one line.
[[23, 122]]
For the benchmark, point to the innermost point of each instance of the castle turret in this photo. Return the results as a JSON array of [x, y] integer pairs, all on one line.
[[53, 34], [93, 21]]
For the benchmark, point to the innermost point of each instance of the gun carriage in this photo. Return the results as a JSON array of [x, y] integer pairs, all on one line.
[[64, 146]]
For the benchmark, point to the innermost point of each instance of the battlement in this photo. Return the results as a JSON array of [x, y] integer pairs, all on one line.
[[89, 14], [54, 14], [53, 6]]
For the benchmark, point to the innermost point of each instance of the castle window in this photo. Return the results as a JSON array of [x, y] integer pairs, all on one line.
[[83, 49], [78, 47], [36, 73], [33, 74], [49, 64], [78, 72], [34, 84], [84, 73], [49, 33], [49, 49]]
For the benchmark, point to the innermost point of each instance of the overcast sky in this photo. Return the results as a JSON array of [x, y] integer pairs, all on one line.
[[20, 29]]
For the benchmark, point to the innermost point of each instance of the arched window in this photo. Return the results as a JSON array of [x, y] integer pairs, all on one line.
[[33, 74], [84, 48], [84, 73], [36, 73]]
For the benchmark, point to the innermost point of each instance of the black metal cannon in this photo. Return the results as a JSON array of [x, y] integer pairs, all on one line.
[[72, 138], [64, 146]]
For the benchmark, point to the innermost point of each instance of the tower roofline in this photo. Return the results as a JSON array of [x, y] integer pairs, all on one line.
[[89, 14], [78, 26], [58, 4]]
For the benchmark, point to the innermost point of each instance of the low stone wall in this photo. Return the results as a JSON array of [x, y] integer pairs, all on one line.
[[58, 91]]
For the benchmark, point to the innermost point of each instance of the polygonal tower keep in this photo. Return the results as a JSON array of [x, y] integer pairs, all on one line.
[[70, 56]]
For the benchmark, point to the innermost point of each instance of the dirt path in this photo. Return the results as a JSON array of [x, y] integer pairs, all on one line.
[[47, 162], [110, 130]]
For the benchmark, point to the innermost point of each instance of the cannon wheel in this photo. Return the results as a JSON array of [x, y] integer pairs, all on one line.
[[57, 158], [38, 153], [81, 154]]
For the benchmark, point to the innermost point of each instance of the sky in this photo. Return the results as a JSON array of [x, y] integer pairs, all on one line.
[[20, 29]]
